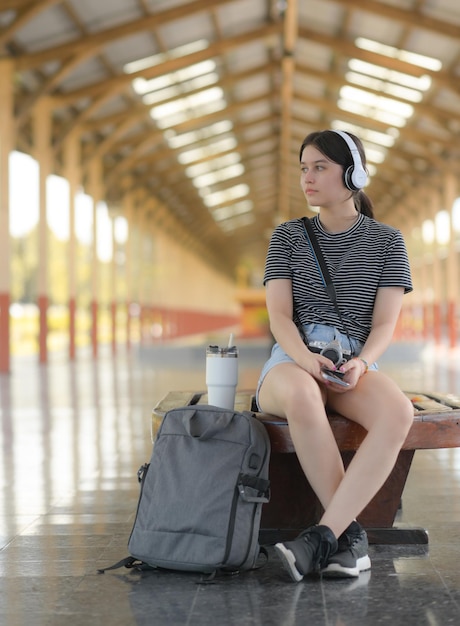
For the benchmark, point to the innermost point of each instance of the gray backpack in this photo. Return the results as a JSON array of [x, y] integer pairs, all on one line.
[[202, 492]]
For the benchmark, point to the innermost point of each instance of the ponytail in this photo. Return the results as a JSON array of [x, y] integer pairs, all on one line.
[[363, 203]]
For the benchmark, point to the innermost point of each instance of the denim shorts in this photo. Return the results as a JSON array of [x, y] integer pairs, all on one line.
[[318, 336]]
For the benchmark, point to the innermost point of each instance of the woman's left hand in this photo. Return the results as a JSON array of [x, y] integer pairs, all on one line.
[[353, 370]]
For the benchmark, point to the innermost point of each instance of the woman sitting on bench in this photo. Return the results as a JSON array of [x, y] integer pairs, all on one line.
[[327, 345]]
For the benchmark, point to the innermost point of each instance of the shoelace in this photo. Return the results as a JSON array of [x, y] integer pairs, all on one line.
[[324, 547]]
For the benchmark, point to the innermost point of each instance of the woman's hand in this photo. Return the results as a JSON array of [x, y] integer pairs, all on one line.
[[313, 363], [353, 370]]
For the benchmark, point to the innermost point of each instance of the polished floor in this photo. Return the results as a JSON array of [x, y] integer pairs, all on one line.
[[72, 438]]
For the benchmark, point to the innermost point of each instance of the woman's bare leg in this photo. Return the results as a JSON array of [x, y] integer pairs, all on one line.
[[383, 410], [290, 392], [376, 403]]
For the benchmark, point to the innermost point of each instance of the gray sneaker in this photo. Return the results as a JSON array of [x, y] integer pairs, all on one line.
[[351, 557], [308, 553]]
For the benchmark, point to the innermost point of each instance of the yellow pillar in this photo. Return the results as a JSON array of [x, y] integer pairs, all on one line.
[[424, 287], [128, 211], [450, 194], [43, 155], [73, 176], [412, 305], [96, 192], [426, 259], [435, 202], [113, 285], [143, 278], [7, 131]]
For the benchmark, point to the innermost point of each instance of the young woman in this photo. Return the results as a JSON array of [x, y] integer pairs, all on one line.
[[368, 264]]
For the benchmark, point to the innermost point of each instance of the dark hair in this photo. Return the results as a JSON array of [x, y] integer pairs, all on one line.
[[334, 147]]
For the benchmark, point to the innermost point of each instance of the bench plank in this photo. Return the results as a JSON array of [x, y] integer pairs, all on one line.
[[437, 426]]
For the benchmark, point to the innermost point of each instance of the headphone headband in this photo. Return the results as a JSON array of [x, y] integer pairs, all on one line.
[[355, 177]]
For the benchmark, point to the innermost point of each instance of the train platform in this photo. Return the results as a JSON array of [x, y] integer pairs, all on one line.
[[73, 435]]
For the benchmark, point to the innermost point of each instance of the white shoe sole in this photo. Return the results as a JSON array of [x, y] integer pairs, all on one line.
[[288, 558], [335, 570]]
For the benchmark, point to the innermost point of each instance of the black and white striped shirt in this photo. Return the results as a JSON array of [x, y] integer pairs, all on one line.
[[360, 260]]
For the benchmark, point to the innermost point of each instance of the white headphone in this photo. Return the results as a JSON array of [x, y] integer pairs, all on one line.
[[355, 176]]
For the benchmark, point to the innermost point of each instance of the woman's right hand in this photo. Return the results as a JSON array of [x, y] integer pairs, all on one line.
[[313, 363]]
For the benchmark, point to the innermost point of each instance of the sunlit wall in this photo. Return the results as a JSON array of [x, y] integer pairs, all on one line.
[[167, 290]]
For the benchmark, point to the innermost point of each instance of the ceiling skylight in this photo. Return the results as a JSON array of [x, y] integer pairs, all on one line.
[[183, 109], [398, 91], [211, 149], [143, 86], [177, 90], [374, 155], [370, 105], [162, 57], [391, 91], [179, 141], [429, 63], [420, 83], [184, 95], [237, 222], [226, 195], [377, 102], [226, 212], [214, 164], [211, 178]]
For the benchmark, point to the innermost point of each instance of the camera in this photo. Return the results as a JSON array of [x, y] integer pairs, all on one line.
[[333, 351]]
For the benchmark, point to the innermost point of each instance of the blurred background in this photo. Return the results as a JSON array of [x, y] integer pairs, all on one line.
[[148, 149]]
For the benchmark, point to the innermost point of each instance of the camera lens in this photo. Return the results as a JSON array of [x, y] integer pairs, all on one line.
[[333, 351], [331, 354]]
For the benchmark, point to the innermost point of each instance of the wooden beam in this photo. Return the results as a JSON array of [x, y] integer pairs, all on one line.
[[171, 65], [95, 41], [26, 11], [349, 49], [287, 92], [412, 18]]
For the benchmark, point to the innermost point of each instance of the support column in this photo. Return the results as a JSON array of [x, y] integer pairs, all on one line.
[[42, 153], [73, 176], [412, 304], [427, 260], [290, 34], [128, 210], [143, 278], [95, 190], [420, 275], [113, 286], [435, 201], [7, 126], [450, 193], [424, 285]]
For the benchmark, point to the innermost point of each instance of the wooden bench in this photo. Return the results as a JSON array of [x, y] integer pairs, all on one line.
[[294, 506]]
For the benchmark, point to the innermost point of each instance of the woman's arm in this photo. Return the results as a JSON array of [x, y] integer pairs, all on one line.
[[387, 307], [280, 310]]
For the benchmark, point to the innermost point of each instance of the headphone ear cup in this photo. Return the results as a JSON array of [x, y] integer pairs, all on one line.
[[359, 177], [355, 178], [347, 178]]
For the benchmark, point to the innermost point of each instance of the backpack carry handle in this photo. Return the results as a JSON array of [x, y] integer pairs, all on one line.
[[201, 429]]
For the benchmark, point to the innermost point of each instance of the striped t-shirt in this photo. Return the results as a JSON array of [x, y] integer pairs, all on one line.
[[360, 260]]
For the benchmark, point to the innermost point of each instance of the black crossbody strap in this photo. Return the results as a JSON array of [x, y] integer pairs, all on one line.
[[322, 267], [324, 272]]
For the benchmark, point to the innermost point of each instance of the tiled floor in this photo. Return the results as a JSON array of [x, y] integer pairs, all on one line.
[[72, 439]]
